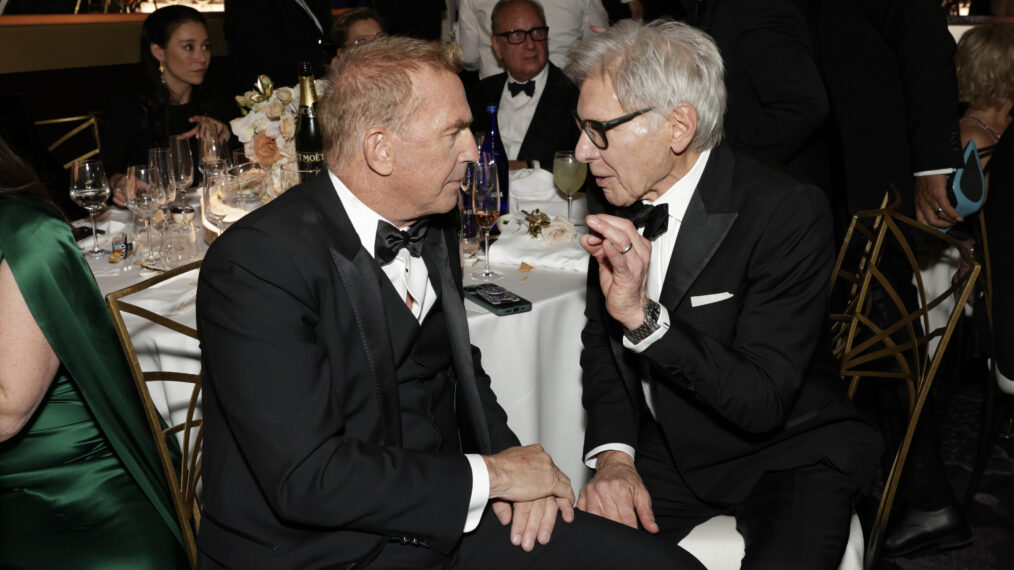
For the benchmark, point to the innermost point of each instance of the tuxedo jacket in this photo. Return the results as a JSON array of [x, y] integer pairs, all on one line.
[[552, 127], [303, 462], [889, 70], [747, 384], [777, 106]]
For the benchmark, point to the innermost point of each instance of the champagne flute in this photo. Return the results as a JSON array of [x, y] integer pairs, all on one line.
[[212, 149], [89, 189], [181, 165], [144, 197], [485, 206], [569, 175]]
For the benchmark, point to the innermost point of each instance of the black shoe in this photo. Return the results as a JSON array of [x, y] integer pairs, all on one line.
[[914, 531]]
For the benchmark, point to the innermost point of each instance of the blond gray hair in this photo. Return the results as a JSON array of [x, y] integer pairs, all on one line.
[[371, 86], [984, 64]]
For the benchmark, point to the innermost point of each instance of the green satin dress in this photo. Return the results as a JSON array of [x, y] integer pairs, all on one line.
[[81, 485]]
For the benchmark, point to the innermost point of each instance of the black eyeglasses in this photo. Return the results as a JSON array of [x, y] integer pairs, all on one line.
[[516, 37], [596, 130]]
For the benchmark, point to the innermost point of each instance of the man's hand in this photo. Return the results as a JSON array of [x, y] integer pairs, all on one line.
[[623, 257], [617, 493], [931, 204], [526, 473], [533, 520]]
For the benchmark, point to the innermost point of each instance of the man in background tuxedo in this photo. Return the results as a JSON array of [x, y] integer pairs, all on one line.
[[534, 97], [708, 379], [349, 421]]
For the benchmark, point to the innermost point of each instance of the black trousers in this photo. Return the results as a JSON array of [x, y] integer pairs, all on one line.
[[794, 519], [590, 542]]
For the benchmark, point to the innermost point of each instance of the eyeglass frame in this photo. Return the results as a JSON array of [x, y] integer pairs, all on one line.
[[590, 126], [367, 39], [526, 34]]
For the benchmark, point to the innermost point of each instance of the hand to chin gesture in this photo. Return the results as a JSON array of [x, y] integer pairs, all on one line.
[[623, 256]]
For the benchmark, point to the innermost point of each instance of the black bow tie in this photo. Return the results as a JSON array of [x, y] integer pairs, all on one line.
[[654, 219], [390, 239], [528, 87]]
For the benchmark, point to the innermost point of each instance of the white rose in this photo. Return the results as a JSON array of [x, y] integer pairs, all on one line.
[[274, 110], [271, 129], [287, 126], [245, 127], [558, 231], [284, 95]]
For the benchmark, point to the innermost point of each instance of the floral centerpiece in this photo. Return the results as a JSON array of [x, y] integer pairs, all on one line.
[[541, 227], [267, 129]]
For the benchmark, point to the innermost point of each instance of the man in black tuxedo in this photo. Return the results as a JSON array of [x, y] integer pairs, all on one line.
[[708, 379], [349, 422], [534, 97]]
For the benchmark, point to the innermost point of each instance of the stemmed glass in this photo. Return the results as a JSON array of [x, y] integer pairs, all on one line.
[[485, 188], [569, 175], [89, 189], [144, 197], [212, 149], [181, 166]]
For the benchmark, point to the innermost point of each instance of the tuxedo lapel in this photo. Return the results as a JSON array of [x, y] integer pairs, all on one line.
[[358, 274], [701, 231], [435, 254]]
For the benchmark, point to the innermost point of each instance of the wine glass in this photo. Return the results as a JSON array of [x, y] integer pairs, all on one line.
[[569, 175], [144, 197], [485, 206], [212, 149], [181, 165], [89, 189]]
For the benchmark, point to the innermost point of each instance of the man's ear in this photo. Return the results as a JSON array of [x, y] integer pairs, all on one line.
[[496, 48], [158, 52], [378, 150], [684, 126]]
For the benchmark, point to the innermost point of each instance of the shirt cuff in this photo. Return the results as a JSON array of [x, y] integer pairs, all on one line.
[[591, 460], [932, 172], [480, 491], [663, 327]]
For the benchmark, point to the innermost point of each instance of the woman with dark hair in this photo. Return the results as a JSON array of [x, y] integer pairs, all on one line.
[[356, 26], [81, 485], [169, 97]]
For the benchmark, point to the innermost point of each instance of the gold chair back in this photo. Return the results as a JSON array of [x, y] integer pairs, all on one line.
[[906, 350], [184, 471], [79, 139]]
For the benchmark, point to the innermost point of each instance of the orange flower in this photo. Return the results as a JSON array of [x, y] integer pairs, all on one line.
[[266, 150]]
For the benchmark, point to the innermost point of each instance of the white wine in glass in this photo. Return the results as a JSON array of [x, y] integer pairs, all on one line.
[[485, 206], [569, 175], [89, 189]]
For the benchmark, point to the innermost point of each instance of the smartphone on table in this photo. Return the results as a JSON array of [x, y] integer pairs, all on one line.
[[498, 300]]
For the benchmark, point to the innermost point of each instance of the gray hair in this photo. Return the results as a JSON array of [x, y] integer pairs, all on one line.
[[662, 65], [499, 6]]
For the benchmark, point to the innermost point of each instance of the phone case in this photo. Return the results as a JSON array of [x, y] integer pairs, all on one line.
[[498, 300]]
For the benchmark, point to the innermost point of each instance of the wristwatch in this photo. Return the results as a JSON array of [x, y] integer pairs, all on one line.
[[651, 312]]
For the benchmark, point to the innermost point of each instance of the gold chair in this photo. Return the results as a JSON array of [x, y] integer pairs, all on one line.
[[181, 464], [905, 350], [80, 142]]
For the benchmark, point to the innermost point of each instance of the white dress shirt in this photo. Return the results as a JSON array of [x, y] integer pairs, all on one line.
[[364, 221], [516, 111], [678, 198], [568, 22]]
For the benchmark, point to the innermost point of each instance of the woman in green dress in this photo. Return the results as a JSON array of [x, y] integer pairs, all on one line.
[[81, 485]]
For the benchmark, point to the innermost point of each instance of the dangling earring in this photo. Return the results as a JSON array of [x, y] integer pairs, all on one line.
[[161, 67]]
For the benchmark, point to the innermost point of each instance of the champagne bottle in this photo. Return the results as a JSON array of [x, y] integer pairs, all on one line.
[[309, 145], [493, 145]]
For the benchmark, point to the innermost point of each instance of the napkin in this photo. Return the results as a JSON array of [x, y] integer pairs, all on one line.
[[515, 246], [111, 227], [533, 188]]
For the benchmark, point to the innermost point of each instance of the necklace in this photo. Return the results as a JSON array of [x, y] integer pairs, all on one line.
[[992, 132]]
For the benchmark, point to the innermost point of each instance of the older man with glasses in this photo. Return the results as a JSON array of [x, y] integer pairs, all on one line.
[[708, 380], [533, 96]]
